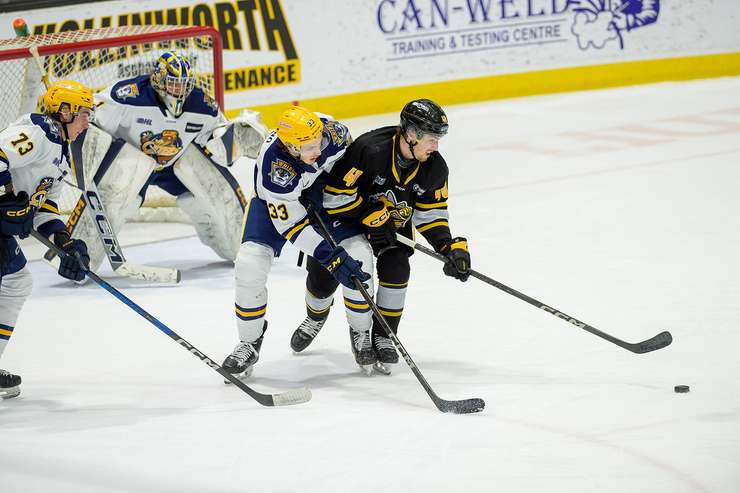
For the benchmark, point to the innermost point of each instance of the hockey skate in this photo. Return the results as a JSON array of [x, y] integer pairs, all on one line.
[[362, 348], [10, 385], [305, 333], [386, 352], [242, 359]]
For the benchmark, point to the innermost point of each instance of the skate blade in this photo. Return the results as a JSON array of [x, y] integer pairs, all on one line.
[[241, 376], [366, 370], [9, 393], [383, 368]]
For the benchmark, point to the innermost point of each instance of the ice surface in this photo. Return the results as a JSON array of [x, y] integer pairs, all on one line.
[[619, 207]]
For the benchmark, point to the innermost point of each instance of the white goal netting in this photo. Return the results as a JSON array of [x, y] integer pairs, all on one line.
[[98, 58]]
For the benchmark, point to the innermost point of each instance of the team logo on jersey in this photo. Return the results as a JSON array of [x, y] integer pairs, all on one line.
[[281, 173], [127, 91], [193, 127], [162, 146], [400, 212], [338, 132], [39, 197]]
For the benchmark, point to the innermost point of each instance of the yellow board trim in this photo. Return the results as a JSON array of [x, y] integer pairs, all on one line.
[[346, 208], [421, 206], [340, 191], [6, 332], [514, 85], [429, 226]]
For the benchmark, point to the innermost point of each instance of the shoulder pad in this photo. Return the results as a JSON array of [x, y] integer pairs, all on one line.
[[280, 172], [48, 127], [135, 92], [337, 132]]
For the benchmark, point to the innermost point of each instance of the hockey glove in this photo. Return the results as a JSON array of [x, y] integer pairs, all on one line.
[[76, 262], [458, 258], [344, 268], [16, 215], [381, 230]]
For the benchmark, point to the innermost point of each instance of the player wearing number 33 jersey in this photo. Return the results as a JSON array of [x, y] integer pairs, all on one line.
[[291, 159]]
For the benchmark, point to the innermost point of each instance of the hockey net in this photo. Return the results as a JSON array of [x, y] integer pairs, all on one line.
[[98, 58]]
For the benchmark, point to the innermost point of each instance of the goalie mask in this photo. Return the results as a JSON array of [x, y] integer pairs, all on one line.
[[173, 80]]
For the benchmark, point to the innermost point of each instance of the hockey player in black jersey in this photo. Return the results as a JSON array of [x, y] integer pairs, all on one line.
[[390, 180]]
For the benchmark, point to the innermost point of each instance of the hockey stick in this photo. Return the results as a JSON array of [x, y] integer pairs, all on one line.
[[654, 343], [464, 406], [111, 245], [288, 398]]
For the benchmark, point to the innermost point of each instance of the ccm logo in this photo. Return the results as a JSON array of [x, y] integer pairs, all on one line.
[[22, 212]]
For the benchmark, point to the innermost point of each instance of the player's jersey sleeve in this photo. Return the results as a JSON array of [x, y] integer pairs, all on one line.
[[47, 219], [347, 183], [430, 217], [110, 112], [22, 149]]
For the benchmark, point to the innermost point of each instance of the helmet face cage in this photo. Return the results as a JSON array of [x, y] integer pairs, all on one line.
[[173, 80], [424, 117]]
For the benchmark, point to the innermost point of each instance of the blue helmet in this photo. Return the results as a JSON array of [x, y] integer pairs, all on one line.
[[173, 79]]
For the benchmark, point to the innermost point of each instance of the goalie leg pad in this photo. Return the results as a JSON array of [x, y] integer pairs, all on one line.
[[252, 267], [215, 202], [120, 171]]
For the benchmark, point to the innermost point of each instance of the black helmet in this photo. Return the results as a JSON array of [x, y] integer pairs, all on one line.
[[425, 116]]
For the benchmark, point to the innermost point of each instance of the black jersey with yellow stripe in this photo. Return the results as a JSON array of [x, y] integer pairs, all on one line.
[[368, 172]]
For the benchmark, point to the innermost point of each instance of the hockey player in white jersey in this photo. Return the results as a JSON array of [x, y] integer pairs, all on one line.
[[34, 157], [290, 161], [188, 144]]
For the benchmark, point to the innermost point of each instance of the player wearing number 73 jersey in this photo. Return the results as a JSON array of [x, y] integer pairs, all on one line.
[[288, 165], [34, 157]]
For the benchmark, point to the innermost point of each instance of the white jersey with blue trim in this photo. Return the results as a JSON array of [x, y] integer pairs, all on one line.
[[131, 110], [34, 159], [281, 178]]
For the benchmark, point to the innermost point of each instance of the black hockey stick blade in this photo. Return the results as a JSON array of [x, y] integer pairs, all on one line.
[[465, 406], [653, 344]]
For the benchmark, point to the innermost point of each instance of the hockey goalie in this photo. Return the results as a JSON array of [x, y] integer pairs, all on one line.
[[161, 130]]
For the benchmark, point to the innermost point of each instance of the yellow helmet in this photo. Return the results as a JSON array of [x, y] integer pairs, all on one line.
[[297, 125], [70, 92]]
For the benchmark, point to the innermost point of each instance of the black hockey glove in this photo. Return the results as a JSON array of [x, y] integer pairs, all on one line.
[[344, 268], [76, 262], [381, 230], [16, 215], [458, 258]]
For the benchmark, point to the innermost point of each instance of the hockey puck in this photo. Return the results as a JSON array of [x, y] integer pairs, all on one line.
[[681, 389]]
